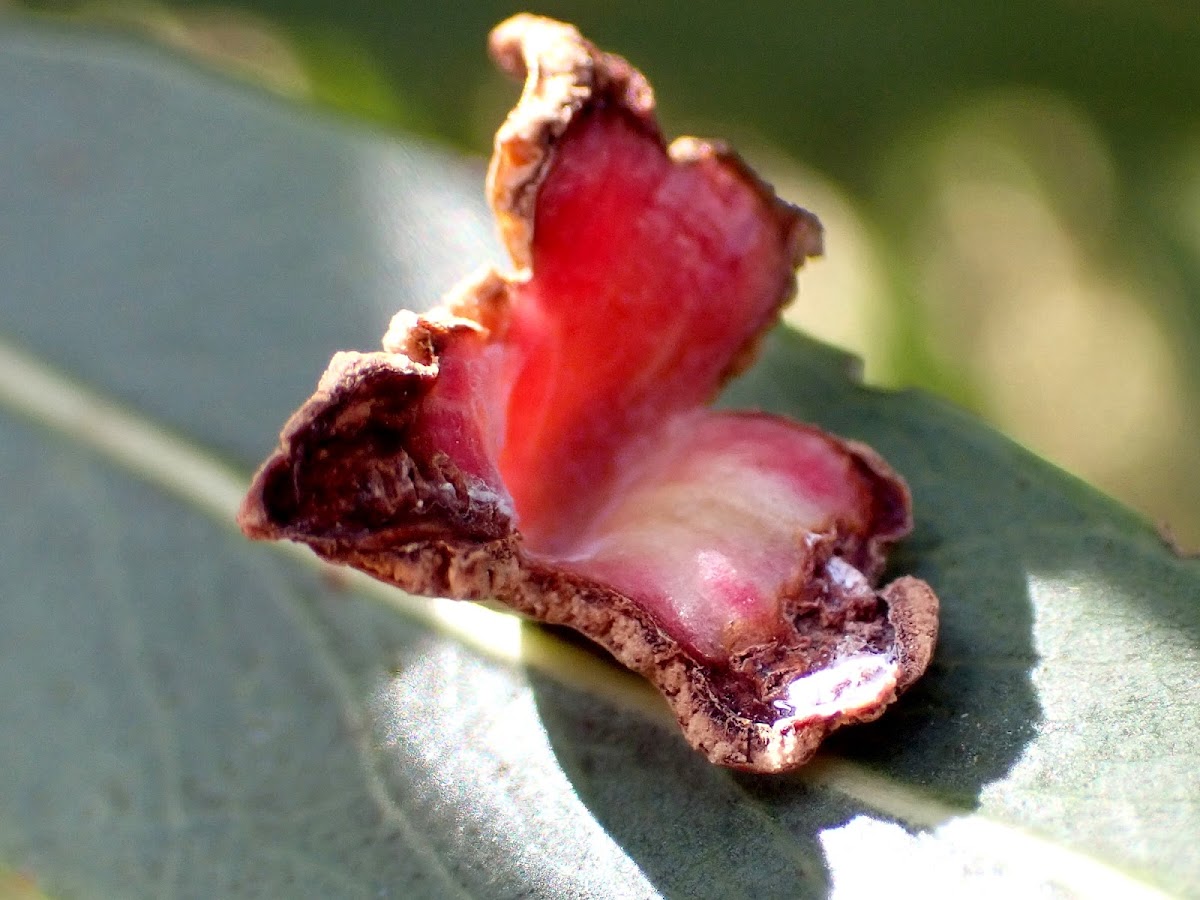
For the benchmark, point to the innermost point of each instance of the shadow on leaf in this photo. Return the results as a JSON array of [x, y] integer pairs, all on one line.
[[696, 830]]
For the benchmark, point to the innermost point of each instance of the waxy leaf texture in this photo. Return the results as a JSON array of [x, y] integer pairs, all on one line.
[[186, 714]]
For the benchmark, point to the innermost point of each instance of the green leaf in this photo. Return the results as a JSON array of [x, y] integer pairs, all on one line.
[[187, 714]]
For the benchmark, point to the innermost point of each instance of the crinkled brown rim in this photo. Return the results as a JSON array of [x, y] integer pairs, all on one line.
[[481, 556]]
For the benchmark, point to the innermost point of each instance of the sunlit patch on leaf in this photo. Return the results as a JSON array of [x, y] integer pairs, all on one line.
[[245, 637]]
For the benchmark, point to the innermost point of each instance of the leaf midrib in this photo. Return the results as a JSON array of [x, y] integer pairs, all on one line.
[[53, 400]]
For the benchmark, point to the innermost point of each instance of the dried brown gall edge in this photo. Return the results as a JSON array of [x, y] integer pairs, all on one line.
[[543, 437]]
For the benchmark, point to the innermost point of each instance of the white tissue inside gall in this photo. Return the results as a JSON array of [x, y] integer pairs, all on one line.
[[849, 684]]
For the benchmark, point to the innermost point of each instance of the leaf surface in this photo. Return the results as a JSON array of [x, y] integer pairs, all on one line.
[[186, 714]]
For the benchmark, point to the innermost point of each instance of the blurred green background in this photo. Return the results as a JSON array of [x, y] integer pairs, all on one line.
[[1011, 191]]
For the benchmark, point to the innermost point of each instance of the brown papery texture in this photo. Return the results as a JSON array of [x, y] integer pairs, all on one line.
[[543, 437]]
